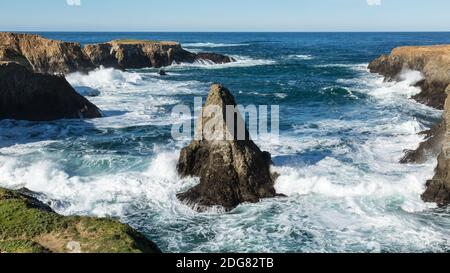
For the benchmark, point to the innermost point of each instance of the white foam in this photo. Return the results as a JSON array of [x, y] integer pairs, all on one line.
[[212, 45], [134, 98], [356, 198], [302, 57], [241, 61]]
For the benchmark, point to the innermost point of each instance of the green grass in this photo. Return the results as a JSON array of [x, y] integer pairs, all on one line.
[[26, 227]]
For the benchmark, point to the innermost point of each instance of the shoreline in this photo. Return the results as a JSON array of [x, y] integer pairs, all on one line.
[[434, 64]]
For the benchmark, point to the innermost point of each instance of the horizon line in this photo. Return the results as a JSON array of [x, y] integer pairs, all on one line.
[[184, 31]]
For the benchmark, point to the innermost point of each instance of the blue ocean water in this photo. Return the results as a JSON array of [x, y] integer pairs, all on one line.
[[343, 131]]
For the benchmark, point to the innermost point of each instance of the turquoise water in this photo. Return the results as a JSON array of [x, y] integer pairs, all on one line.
[[343, 132]]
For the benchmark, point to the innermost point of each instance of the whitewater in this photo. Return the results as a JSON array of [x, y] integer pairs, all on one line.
[[343, 133]]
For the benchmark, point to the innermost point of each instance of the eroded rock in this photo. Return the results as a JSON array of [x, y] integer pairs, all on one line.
[[43, 55], [25, 95], [47, 56], [135, 54], [434, 63], [231, 171]]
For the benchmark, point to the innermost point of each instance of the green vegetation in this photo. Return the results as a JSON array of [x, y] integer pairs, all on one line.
[[28, 226]]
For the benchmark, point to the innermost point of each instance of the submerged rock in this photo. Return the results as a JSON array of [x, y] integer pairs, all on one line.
[[162, 72], [25, 95], [431, 147], [29, 226], [232, 171]]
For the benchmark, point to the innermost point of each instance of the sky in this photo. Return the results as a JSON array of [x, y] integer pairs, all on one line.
[[225, 15]]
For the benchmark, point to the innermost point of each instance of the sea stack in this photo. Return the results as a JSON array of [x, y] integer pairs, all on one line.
[[231, 170], [434, 64], [25, 95]]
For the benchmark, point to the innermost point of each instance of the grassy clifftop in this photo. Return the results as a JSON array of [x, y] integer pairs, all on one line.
[[29, 226]]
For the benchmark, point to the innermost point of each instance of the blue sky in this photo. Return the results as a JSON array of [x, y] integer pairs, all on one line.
[[225, 15]]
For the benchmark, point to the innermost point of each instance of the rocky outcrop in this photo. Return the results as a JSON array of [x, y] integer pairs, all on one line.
[[438, 189], [232, 171], [29, 226], [47, 56], [432, 146], [134, 54], [43, 55], [25, 95], [434, 63]]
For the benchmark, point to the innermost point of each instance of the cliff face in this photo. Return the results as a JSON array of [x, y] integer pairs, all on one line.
[[438, 189], [25, 95], [434, 63], [43, 55], [231, 171], [140, 54], [55, 57], [29, 226]]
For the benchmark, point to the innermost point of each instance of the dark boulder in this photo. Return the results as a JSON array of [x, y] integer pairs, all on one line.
[[25, 95], [231, 171]]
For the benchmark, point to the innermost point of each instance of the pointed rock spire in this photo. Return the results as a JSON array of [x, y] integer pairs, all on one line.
[[232, 169]]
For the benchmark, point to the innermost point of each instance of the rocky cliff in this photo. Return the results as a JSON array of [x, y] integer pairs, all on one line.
[[129, 54], [43, 55], [231, 170], [434, 63], [25, 95], [29, 226], [56, 57]]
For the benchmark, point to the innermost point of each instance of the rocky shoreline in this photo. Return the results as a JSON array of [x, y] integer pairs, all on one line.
[[26, 95], [47, 56], [434, 64]]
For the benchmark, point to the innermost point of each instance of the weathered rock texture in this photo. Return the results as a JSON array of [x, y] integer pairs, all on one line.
[[55, 57], [438, 189], [434, 63], [25, 95], [231, 171], [43, 55], [29, 226], [141, 54]]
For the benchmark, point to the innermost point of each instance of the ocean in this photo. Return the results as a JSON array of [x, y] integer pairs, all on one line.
[[342, 134]]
